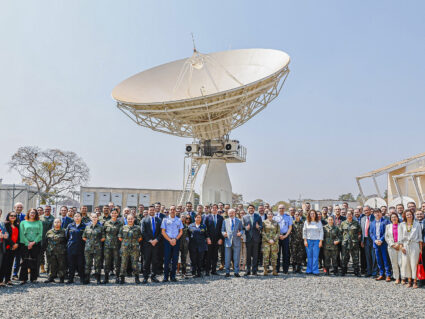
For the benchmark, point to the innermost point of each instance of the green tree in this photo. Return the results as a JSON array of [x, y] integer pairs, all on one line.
[[346, 197], [282, 202], [236, 199], [257, 202]]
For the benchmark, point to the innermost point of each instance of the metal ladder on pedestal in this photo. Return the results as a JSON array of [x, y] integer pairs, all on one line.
[[189, 184]]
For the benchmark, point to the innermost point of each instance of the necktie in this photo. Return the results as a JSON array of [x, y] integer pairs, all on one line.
[[153, 226], [215, 220], [63, 221], [367, 227], [252, 219], [233, 225]]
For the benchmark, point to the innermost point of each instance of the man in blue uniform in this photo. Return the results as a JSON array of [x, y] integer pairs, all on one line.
[[172, 230]]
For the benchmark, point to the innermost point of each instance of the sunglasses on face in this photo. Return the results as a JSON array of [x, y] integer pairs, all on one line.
[[12, 216]]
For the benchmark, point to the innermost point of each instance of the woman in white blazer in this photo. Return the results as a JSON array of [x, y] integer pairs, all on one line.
[[411, 244], [392, 237]]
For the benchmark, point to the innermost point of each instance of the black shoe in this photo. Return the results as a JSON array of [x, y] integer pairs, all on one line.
[[97, 276], [49, 280], [316, 275], [136, 279], [62, 280], [122, 280], [254, 273], [227, 275], [247, 274], [145, 281], [117, 279], [70, 281], [173, 279], [215, 273], [153, 279], [165, 280], [367, 275], [86, 280], [207, 274], [237, 275], [106, 279]]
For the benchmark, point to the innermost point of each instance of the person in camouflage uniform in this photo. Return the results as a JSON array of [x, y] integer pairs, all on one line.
[[56, 252], [184, 243], [331, 240], [270, 243], [85, 219], [351, 233], [94, 236], [111, 249], [47, 221], [106, 215], [297, 243], [130, 236]]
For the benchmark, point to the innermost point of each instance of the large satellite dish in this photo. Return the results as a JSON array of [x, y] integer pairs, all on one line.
[[205, 97], [402, 200]]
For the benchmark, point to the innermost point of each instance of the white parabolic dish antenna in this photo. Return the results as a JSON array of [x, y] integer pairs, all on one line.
[[205, 97]]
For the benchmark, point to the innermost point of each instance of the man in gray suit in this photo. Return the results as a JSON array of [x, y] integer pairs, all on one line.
[[252, 224], [232, 231]]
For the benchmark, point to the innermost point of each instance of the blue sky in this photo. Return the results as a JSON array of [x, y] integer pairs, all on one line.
[[354, 100]]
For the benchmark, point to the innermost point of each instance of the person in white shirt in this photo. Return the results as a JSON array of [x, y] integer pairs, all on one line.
[[392, 237], [313, 238], [411, 245]]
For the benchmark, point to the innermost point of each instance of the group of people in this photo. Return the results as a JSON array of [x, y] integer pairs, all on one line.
[[383, 243]]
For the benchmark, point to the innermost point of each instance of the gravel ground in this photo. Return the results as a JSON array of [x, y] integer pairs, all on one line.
[[286, 296]]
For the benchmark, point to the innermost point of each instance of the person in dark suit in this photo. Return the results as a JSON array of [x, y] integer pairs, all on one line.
[[252, 224], [190, 211], [213, 223], [367, 243], [18, 208], [4, 235], [65, 220], [151, 234], [198, 237], [160, 245], [158, 213], [377, 234]]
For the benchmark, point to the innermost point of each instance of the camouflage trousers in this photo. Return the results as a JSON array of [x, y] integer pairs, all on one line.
[[331, 258], [57, 265], [297, 252], [91, 257], [270, 252], [354, 252], [112, 260], [132, 256], [184, 250]]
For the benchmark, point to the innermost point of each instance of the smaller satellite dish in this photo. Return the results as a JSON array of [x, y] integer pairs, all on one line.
[[375, 202], [403, 200]]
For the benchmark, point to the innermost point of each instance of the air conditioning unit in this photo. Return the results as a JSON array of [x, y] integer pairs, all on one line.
[[192, 148], [231, 146]]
